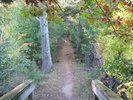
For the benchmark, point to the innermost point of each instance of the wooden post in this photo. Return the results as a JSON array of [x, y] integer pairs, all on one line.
[[101, 92], [95, 97], [21, 92], [31, 96]]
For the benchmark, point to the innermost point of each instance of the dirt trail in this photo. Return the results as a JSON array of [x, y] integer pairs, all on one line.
[[67, 81], [67, 56]]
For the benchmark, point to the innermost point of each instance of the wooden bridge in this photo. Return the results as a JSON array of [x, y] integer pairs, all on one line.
[[21, 92], [101, 92], [26, 91]]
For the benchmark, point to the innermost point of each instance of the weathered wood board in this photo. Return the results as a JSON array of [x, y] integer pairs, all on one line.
[[21, 92], [102, 92]]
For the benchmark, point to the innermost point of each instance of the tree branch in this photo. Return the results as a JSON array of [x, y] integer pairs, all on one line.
[[38, 19], [58, 4], [107, 17]]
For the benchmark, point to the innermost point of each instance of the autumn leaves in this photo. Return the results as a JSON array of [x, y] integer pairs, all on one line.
[[50, 6], [115, 14]]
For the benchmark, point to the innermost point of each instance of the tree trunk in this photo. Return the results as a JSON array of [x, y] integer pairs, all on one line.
[[46, 55], [90, 59], [2, 34], [79, 44]]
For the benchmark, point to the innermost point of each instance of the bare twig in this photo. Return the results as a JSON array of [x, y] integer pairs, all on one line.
[[58, 4], [107, 17]]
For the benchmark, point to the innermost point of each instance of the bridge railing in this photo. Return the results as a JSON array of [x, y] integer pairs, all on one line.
[[101, 92], [21, 92]]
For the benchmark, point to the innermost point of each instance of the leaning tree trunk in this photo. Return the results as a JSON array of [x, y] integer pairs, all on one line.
[[78, 47], [47, 64], [46, 55]]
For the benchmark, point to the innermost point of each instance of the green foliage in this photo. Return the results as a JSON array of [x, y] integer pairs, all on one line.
[[26, 12], [6, 1], [29, 37], [20, 46], [25, 32], [93, 73], [34, 73], [120, 67], [128, 89], [118, 57], [33, 9], [6, 68], [55, 34], [88, 38], [11, 63]]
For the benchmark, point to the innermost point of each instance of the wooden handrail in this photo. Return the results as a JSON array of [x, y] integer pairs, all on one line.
[[21, 92], [101, 92]]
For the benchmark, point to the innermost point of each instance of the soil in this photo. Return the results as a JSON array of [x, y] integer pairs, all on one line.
[[67, 81]]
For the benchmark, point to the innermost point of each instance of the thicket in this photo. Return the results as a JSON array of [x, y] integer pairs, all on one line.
[[20, 49], [100, 42], [113, 20]]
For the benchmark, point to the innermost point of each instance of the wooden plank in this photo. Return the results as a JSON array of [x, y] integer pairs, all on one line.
[[95, 97], [19, 90], [31, 96], [26, 93], [102, 92]]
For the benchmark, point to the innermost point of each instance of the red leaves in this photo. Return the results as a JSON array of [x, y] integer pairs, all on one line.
[[119, 19], [130, 4], [27, 2], [88, 22], [116, 8], [130, 11], [106, 8], [107, 11], [104, 20], [59, 17], [81, 9], [41, 11], [124, 3], [52, 1], [36, 4], [101, 3], [115, 1], [118, 23], [130, 23], [53, 6]]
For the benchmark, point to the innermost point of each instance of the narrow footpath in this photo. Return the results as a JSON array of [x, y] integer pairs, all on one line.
[[67, 81]]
